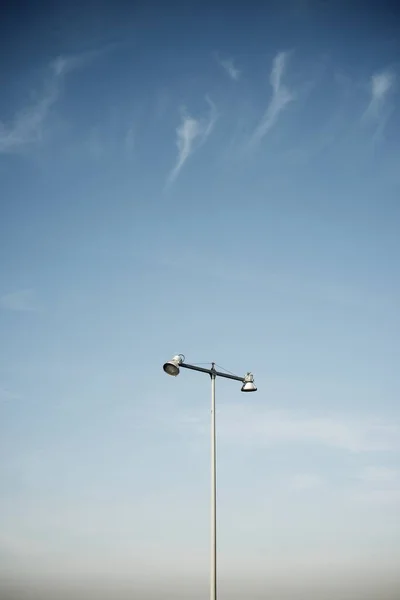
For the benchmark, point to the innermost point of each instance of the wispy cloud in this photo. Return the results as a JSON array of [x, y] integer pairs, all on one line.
[[190, 134], [379, 475], [330, 291], [380, 497], [63, 64], [7, 395], [263, 427], [229, 67], [28, 126], [355, 435], [378, 109], [22, 301], [66, 63], [380, 485], [281, 96], [380, 86]]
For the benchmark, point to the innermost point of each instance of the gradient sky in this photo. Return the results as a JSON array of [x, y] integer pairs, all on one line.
[[220, 180]]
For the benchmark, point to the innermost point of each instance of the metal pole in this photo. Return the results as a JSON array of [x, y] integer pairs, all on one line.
[[213, 577]]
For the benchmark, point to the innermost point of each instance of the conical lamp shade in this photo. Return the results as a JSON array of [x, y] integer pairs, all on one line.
[[249, 386]]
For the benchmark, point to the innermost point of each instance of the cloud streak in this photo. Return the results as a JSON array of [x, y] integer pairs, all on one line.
[[20, 301], [378, 110], [281, 97], [380, 475], [229, 67], [263, 428], [380, 86], [7, 395], [380, 485], [345, 434], [66, 63], [191, 133], [27, 128]]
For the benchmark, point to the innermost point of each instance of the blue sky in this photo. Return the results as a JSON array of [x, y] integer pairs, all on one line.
[[218, 180]]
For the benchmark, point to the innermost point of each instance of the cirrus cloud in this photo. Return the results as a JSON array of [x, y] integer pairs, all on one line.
[[281, 97], [229, 67], [378, 110], [190, 133]]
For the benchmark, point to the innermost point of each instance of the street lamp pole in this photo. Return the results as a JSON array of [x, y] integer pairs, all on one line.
[[172, 367], [213, 572]]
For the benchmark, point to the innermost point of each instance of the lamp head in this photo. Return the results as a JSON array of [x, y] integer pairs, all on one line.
[[172, 366], [248, 383]]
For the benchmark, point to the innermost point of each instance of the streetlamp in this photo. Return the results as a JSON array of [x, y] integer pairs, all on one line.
[[172, 368]]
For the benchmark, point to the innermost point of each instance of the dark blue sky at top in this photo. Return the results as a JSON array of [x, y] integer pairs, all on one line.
[[35, 31]]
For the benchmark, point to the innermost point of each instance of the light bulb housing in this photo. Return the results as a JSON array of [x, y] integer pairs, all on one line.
[[171, 367], [248, 383]]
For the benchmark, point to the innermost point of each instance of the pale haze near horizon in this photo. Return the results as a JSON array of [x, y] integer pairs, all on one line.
[[220, 181]]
